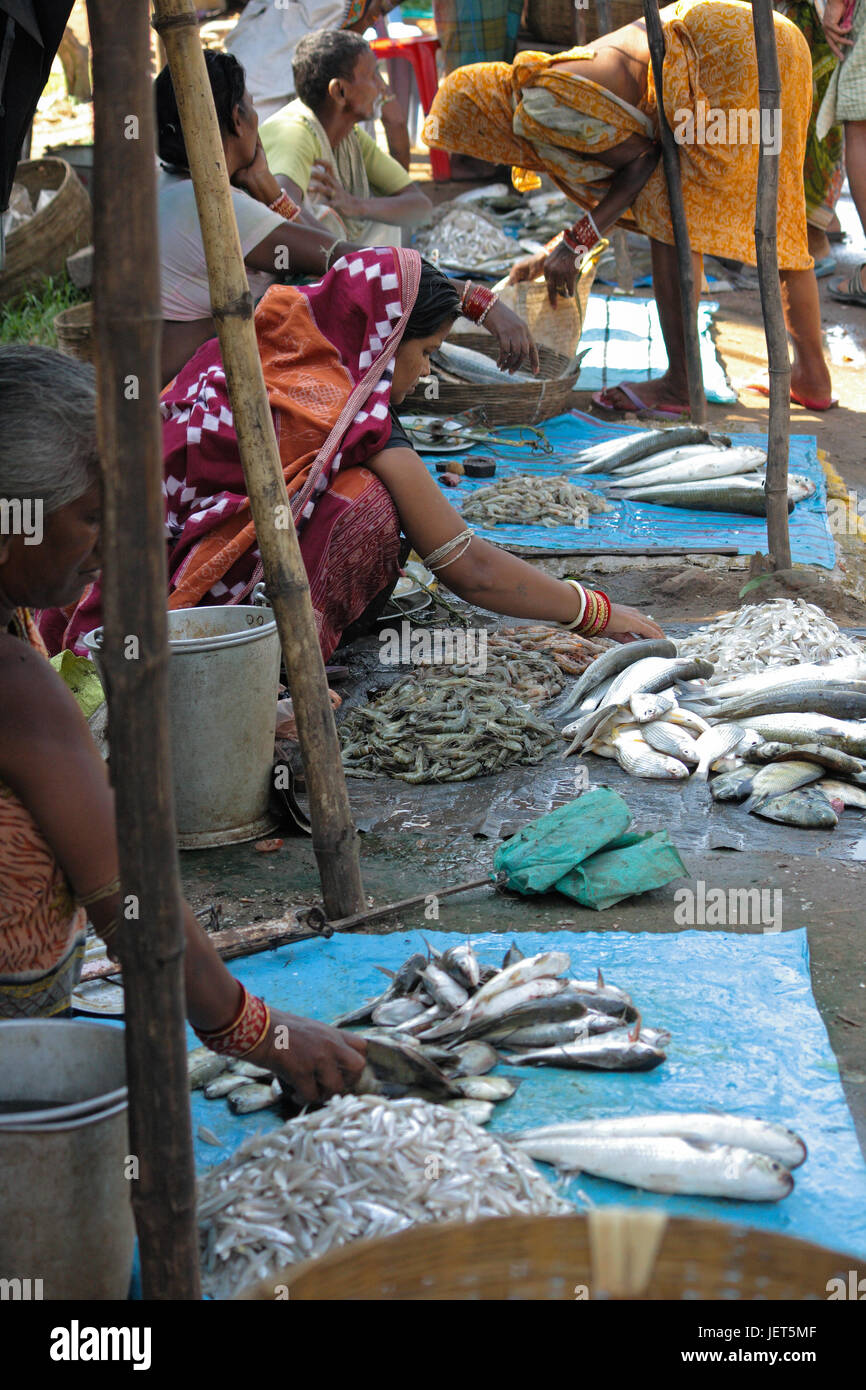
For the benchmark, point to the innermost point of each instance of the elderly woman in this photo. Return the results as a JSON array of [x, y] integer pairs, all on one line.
[[337, 358], [589, 119], [58, 847]]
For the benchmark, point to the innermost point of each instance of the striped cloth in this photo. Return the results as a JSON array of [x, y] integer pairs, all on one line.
[[845, 98], [477, 31]]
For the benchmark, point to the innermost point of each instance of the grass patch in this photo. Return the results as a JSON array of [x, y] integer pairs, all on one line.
[[30, 318]]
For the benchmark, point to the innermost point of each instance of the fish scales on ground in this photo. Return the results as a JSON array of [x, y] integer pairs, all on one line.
[[358, 1168], [669, 1164], [441, 729], [527, 500]]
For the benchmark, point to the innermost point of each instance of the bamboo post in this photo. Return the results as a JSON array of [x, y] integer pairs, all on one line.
[[135, 655], [671, 159], [778, 360], [335, 840]]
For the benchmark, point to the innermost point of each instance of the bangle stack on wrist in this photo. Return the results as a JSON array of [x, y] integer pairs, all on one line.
[[594, 613], [244, 1033], [476, 302], [285, 207], [581, 238]]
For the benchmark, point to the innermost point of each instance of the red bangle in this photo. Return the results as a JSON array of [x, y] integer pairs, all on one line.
[[597, 615], [583, 236], [285, 207], [476, 302], [246, 1031]]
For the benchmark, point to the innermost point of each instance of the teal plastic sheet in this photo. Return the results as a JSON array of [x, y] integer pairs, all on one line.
[[747, 1038], [643, 527], [624, 338]]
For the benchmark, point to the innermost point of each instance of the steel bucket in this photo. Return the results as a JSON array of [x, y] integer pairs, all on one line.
[[222, 705], [65, 1212]]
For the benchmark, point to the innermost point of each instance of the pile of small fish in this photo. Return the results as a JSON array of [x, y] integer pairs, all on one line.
[[525, 500], [684, 466], [658, 716], [531, 676], [356, 1169], [706, 1155], [441, 729], [451, 1007], [245, 1086], [463, 237], [780, 632]]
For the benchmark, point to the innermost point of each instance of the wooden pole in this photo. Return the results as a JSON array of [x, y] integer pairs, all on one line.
[[778, 360], [135, 654], [335, 840], [671, 159]]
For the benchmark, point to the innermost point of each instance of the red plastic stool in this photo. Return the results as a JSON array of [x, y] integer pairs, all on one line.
[[420, 51]]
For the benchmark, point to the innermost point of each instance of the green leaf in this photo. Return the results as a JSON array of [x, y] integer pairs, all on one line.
[[753, 584]]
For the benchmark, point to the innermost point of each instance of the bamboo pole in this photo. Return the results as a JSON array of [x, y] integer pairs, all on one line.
[[135, 654], [335, 840], [671, 159], [778, 360]]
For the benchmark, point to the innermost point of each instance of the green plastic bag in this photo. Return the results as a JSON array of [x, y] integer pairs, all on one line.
[[633, 864], [539, 855], [82, 678]]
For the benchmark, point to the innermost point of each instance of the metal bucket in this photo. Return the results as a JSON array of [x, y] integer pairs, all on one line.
[[222, 707], [65, 1209]]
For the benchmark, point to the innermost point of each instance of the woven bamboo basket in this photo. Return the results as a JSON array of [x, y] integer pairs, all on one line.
[[41, 245], [613, 1252], [556, 21], [74, 329], [557, 335]]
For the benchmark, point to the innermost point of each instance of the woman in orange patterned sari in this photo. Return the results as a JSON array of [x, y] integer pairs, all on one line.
[[589, 119]]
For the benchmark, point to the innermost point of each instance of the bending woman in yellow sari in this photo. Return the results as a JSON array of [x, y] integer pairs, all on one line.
[[589, 119]]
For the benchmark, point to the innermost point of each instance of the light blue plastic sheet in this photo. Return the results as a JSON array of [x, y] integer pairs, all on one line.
[[747, 1038], [643, 527], [625, 342]]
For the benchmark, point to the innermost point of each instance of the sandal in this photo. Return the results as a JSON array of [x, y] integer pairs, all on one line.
[[805, 401], [852, 291], [674, 412]]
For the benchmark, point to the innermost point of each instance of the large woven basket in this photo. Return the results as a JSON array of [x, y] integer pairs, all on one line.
[[557, 21], [74, 329], [625, 1252], [41, 245], [557, 336]]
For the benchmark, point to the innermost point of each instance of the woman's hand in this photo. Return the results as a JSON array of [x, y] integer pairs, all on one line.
[[836, 23], [561, 269], [325, 187], [514, 338], [313, 1059], [257, 179], [628, 625]]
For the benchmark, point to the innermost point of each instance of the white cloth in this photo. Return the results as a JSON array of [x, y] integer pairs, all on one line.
[[264, 41], [184, 285]]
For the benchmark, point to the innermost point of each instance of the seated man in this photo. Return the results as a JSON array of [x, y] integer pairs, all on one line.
[[320, 157]]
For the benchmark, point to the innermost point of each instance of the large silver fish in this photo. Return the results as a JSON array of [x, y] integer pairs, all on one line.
[[741, 495], [831, 758], [614, 1051], [671, 739], [474, 366], [667, 1163], [847, 701], [669, 456], [808, 809], [803, 727], [654, 674], [741, 1131], [710, 463], [838, 672], [613, 453], [716, 742], [842, 791], [611, 663], [638, 759]]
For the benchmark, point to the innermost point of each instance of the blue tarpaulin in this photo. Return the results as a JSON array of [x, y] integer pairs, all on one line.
[[644, 527], [747, 1038]]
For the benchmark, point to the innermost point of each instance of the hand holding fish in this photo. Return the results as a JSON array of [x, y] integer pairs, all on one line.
[[313, 1059], [628, 625]]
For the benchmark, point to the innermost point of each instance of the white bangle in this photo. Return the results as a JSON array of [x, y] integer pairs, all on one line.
[[569, 627]]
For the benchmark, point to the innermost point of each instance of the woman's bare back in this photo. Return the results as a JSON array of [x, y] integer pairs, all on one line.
[[619, 63]]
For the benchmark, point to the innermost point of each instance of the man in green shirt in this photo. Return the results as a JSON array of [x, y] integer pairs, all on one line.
[[322, 159]]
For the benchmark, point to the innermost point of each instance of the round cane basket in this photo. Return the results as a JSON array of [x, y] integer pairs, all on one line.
[[41, 245], [625, 1252], [74, 329], [557, 336]]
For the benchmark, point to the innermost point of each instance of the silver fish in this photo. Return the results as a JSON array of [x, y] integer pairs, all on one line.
[[653, 675], [462, 965], [478, 1018], [249, 1069], [644, 466], [717, 742], [847, 701], [397, 1063], [474, 366], [567, 1030], [604, 1052], [546, 964], [478, 1111], [831, 758], [421, 1022], [444, 990], [252, 1097], [741, 1131], [566, 1005], [847, 734], [224, 1085], [649, 708], [473, 1059], [744, 496], [611, 663], [671, 739], [733, 786], [401, 983], [687, 719], [614, 453], [809, 809], [203, 1066], [837, 672], [395, 1011], [494, 1088], [842, 791], [635, 755], [703, 467], [671, 1165]]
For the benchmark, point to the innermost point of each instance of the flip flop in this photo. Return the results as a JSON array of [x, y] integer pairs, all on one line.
[[673, 413], [826, 266], [852, 292], [763, 390]]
